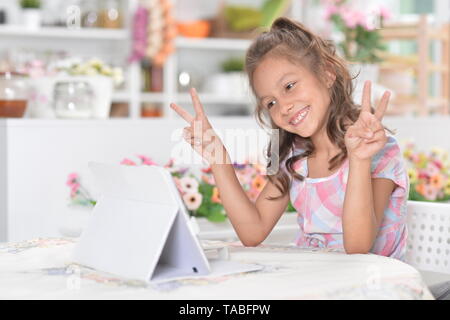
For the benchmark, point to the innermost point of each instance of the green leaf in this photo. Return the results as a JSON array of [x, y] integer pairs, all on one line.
[[241, 18], [30, 4], [216, 216], [233, 65], [205, 189], [203, 210], [271, 10]]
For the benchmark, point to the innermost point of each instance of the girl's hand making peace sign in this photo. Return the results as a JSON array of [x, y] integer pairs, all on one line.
[[200, 134], [366, 136]]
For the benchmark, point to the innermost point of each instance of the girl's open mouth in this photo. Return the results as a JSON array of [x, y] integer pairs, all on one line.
[[299, 116]]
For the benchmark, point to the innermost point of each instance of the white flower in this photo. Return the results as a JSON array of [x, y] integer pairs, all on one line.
[[193, 200], [117, 75], [188, 184], [107, 71], [77, 69], [90, 72], [67, 63], [438, 151], [96, 63]]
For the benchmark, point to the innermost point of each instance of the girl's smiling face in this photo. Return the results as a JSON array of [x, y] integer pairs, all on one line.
[[296, 100]]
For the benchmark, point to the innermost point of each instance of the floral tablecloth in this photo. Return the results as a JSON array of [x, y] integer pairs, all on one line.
[[43, 269]]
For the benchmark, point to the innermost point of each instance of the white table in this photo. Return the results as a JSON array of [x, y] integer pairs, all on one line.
[[42, 269]]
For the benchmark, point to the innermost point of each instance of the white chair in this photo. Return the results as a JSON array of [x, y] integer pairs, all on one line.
[[428, 244]]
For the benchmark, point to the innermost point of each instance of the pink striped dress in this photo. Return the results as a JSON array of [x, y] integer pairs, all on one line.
[[319, 204]]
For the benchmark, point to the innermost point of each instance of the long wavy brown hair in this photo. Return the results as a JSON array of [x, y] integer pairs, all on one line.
[[291, 40]]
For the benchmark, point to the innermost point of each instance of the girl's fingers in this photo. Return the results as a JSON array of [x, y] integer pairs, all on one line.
[[187, 132], [360, 132], [370, 121], [379, 113], [190, 137], [196, 101], [377, 135], [365, 103], [183, 113], [194, 142]]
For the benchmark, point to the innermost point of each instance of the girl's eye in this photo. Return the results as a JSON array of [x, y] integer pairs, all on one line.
[[290, 85], [270, 104]]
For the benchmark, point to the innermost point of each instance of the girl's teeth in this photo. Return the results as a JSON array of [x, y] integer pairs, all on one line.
[[300, 117]]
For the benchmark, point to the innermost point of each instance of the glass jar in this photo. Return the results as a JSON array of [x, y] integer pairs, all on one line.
[[13, 94], [72, 100], [89, 14], [110, 14]]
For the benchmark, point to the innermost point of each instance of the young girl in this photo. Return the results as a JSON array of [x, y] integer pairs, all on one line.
[[342, 173]]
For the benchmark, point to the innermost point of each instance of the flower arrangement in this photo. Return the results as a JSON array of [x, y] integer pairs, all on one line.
[[78, 194], [429, 174], [360, 40], [154, 31], [92, 67], [200, 195]]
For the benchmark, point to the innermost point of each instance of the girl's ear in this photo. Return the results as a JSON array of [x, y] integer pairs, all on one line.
[[330, 78]]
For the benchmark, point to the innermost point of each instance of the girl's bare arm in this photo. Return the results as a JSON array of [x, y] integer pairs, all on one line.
[[252, 222], [365, 198]]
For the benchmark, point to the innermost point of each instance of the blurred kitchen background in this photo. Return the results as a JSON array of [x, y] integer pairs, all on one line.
[[80, 59]]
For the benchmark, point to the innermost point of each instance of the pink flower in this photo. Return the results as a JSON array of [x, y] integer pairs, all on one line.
[[415, 158], [430, 193], [353, 18], [169, 164], [74, 189], [72, 179], [193, 200], [128, 162], [188, 184], [140, 24], [432, 169], [424, 175], [438, 164], [147, 161], [330, 11], [385, 13]]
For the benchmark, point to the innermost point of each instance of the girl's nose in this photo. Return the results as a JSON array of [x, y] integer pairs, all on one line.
[[286, 108]]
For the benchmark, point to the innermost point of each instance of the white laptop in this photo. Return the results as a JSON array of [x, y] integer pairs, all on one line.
[[139, 229]]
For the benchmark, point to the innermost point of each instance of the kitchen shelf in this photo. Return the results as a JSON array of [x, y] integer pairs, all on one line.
[[118, 43], [206, 98], [157, 97], [121, 96], [214, 99], [61, 32], [212, 43]]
